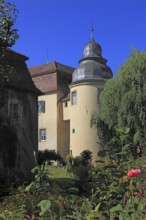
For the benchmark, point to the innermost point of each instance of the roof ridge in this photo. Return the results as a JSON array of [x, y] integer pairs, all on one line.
[[62, 65], [9, 50], [57, 64], [42, 64]]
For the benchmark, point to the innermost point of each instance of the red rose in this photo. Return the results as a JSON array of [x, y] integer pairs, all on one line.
[[134, 172]]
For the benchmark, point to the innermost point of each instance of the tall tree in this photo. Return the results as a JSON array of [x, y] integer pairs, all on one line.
[[123, 100]]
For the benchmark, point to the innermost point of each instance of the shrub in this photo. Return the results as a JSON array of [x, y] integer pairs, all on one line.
[[82, 172], [47, 156]]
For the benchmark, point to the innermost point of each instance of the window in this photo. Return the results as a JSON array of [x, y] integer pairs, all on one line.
[[42, 134], [65, 104], [74, 98], [73, 130], [99, 91], [15, 110], [41, 106]]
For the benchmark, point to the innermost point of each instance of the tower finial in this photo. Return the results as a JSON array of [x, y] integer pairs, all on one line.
[[92, 33]]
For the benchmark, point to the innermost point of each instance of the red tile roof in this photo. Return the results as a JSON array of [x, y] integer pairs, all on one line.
[[49, 68], [46, 78]]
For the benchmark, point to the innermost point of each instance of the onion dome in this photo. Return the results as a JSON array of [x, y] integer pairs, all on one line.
[[92, 49], [93, 65]]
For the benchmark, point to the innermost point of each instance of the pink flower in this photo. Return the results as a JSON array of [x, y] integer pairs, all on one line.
[[137, 194], [27, 217], [134, 172]]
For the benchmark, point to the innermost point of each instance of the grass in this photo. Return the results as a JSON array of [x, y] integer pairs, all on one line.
[[57, 172], [59, 179]]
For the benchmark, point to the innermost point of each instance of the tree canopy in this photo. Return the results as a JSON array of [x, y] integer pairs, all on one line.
[[123, 100], [8, 37], [8, 15]]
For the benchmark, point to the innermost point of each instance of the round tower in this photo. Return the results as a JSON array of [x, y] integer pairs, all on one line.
[[87, 84]]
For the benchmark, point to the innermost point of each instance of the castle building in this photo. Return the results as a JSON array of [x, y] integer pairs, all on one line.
[[18, 114], [65, 124], [53, 79]]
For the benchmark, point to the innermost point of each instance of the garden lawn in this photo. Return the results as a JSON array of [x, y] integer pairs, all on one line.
[[57, 172]]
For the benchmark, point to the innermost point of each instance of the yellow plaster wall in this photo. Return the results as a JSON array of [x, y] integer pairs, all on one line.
[[48, 120], [84, 137], [63, 129], [66, 111]]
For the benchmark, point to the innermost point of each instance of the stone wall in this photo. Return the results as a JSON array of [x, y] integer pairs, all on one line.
[[18, 137]]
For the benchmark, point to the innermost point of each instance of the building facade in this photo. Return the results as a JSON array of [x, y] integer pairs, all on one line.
[[53, 80], [18, 115], [87, 84], [66, 126]]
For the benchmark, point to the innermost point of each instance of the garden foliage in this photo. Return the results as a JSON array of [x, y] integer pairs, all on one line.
[[123, 101], [116, 190]]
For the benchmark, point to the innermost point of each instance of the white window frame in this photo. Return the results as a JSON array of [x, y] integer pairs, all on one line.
[[74, 97], [41, 106], [43, 136]]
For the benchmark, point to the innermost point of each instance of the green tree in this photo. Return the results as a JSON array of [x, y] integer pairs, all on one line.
[[8, 37], [123, 101], [8, 15]]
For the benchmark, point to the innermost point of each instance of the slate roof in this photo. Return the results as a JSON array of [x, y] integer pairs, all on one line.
[[93, 65], [21, 78]]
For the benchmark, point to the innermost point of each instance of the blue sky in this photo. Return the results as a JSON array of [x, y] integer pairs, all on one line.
[[58, 30]]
